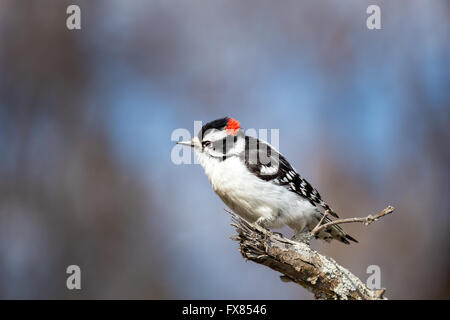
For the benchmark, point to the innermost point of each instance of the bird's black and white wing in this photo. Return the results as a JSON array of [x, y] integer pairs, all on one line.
[[269, 165]]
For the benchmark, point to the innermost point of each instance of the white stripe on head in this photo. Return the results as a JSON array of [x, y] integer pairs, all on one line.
[[214, 135]]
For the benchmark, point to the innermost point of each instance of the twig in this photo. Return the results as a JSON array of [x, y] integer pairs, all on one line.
[[366, 220], [320, 222]]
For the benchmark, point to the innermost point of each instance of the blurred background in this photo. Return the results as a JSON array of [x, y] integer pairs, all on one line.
[[86, 118]]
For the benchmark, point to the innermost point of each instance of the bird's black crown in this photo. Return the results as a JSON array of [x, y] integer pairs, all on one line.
[[218, 124]]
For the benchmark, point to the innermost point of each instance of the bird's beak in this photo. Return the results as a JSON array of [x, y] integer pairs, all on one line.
[[189, 143]]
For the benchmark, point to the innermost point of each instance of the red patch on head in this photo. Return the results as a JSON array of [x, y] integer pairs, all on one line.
[[233, 126]]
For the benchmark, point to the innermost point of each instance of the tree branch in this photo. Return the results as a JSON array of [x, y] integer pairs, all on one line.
[[366, 220], [299, 263]]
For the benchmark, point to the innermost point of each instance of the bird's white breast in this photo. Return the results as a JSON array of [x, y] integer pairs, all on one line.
[[250, 196]]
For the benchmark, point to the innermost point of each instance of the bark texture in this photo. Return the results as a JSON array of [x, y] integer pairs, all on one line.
[[299, 263]]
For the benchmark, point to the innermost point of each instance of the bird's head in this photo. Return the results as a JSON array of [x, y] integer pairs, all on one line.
[[220, 139]]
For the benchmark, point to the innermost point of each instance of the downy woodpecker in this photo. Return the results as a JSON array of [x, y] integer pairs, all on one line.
[[258, 183]]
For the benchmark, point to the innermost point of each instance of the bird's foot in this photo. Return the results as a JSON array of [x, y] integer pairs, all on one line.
[[264, 222], [303, 237], [278, 233], [267, 224]]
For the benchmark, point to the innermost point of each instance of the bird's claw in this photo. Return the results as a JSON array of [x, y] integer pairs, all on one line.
[[278, 233]]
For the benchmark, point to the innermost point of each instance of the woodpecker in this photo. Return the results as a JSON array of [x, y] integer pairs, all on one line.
[[257, 182]]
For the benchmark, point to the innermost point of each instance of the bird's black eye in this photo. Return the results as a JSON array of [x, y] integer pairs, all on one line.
[[206, 143]]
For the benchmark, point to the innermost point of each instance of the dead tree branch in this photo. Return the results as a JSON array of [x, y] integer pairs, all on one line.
[[299, 263], [366, 220]]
